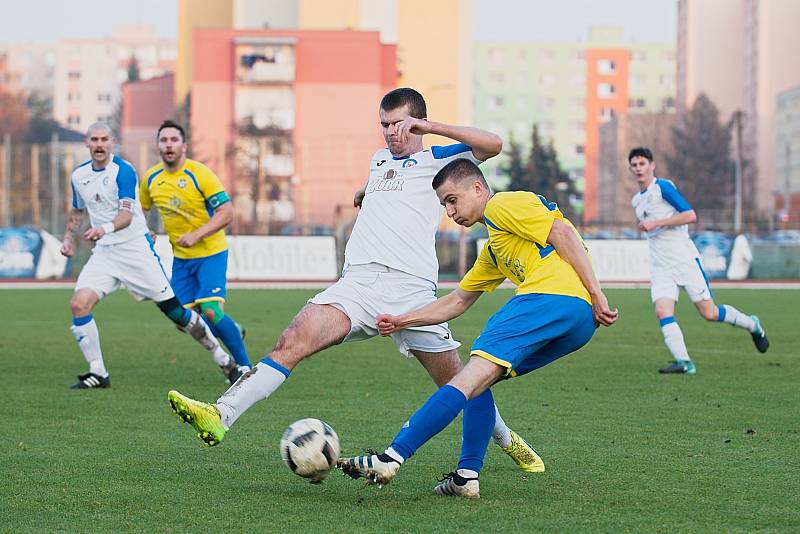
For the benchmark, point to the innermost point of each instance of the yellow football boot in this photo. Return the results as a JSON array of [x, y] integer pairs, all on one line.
[[205, 418], [523, 455]]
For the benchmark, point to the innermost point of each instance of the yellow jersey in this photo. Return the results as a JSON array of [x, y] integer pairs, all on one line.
[[186, 200], [519, 223]]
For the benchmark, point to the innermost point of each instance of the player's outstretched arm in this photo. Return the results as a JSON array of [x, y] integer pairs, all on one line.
[[569, 247], [484, 144], [74, 221], [448, 307]]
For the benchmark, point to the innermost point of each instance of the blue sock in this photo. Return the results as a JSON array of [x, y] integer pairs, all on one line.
[[477, 428], [228, 332], [438, 412]]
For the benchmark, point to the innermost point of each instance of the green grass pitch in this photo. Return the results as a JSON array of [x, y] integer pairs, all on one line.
[[625, 448]]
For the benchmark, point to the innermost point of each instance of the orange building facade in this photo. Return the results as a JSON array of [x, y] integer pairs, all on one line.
[[606, 96], [289, 119]]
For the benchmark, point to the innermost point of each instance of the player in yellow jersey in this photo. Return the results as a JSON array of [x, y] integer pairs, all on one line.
[[555, 311], [195, 209]]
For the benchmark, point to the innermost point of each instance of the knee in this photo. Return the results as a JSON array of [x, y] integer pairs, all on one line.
[[212, 311], [662, 312], [209, 314], [80, 304]]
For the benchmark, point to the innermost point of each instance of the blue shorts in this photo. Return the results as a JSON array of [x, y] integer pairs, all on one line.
[[533, 330], [197, 280]]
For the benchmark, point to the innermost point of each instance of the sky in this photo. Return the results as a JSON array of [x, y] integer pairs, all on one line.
[[570, 20], [539, 20]]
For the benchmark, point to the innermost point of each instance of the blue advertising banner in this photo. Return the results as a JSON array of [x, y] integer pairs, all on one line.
[[31, 253], [715, 252], [19, 252]]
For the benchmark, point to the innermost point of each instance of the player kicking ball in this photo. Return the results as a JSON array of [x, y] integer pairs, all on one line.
[[663, 215], [390, 265], [555, 311], [123, 255]]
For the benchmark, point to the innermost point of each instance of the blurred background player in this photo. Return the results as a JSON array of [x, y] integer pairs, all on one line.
[[390, 265], [555, 310], [123, 254], [195, 210], [663, 215]]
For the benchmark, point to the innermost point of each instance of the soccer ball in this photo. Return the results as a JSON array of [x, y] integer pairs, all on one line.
[[310, 448]]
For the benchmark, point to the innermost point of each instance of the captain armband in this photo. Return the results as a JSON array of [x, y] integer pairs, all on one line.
[[218, 199]]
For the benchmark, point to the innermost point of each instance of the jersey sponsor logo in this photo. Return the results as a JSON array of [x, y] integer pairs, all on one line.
[[105, 180], [164, 290], [411, 162], [381, 162], [181, 183], [216, 290], [162, 182], [87, 181], [390, 174], [447, 335]]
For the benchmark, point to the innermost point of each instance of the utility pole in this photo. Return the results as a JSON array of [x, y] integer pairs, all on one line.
[[5, 183], [787, 195], [737, 188]]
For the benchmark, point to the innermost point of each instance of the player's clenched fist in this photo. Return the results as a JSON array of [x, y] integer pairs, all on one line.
[[387, 324]]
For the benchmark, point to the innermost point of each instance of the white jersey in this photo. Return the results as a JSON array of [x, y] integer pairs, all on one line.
[[400, 213], [99, 192], [670, 245]]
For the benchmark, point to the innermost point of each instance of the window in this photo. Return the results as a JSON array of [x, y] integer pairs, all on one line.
[[74, 121], [74, 75], [606, 114], [498, 102], [547, 79], [606, 66], [579, 149], [73, 96], [104, 97], [669, 103], [605, 90]]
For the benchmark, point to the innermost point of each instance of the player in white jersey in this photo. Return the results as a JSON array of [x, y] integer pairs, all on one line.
[[123, 255], [390, 264], [675, 262]]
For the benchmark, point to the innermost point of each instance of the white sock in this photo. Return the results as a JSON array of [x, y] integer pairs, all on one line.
[[734, 317], [255, 385], [221, 357], [88, 339], [199, 330], [673, 337], [394, 455], [501, 433], [467, 473]]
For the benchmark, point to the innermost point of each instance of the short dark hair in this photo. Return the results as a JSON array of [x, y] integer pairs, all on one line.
[[171, 124], [459, 171], [405, 96], [642, 152]]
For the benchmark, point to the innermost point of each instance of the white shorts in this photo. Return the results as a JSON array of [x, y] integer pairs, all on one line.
[[132, 264], [665, 282], [365, 291]]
